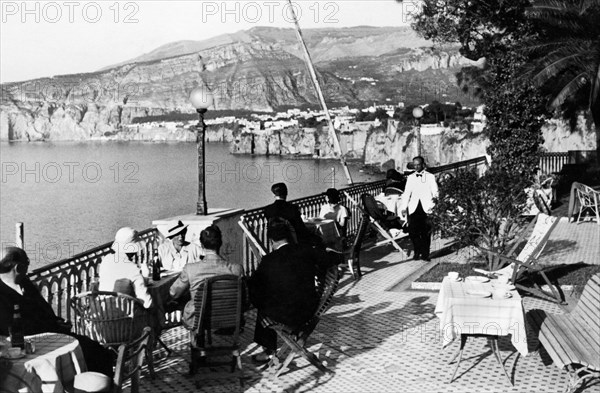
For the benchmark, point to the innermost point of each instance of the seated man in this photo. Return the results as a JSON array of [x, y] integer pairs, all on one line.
[[176, 252], [193, 274], [121, 265], [37, 314], [283, 286], [282, 208], [334, 210]]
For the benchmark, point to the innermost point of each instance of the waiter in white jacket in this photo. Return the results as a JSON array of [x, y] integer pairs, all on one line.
[[420, 190]]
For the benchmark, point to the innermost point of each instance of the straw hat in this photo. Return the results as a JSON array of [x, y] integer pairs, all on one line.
[[127, 241], [176, 230]]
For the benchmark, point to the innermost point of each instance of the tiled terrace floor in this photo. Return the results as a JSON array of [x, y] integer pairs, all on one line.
[[378, 341]]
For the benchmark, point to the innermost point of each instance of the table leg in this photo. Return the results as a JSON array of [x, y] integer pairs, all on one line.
[[493, 342], [463, 341]]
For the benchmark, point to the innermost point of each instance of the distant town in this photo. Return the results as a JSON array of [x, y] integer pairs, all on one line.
[[437, 117]]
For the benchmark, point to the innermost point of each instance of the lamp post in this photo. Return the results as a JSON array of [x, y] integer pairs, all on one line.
[[418, 114], [201, 99]]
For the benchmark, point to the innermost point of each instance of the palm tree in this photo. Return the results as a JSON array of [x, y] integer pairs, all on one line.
[[566, 54]]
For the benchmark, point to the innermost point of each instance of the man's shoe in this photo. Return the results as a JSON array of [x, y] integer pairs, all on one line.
[[261, 358], [426, 259]]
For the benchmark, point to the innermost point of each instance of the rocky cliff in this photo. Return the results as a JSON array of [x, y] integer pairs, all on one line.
[[259, 69]]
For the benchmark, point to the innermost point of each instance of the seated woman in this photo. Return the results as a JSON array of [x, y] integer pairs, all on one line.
[[121, 265], [334, 210], [38, 316], [176, 252]]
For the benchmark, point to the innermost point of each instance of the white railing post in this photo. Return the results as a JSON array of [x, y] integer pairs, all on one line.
[[20, 235]]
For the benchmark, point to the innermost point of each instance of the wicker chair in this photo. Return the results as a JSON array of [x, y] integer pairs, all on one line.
[[130, 360], [218, 305], [112, 319], [294, 340]]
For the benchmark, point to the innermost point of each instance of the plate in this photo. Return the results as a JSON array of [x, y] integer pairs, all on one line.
[[478, 279], [6, 356], [476, 293]]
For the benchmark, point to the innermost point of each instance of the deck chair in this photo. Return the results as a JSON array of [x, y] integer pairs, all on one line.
[[381, 222], [130, 359], [294, 340], [112, 319], [524, 264], [218, 305]]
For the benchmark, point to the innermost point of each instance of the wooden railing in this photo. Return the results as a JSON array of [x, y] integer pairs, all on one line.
[[59, 281], [480, 163], [553, 162]]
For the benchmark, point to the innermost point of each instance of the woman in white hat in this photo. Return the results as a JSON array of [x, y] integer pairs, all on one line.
[[176, 252], [122, 265]]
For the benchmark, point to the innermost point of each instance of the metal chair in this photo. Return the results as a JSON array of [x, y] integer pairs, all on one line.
[[294, 340], [130, 359], [589, 201], [218, 305], [112, 319]]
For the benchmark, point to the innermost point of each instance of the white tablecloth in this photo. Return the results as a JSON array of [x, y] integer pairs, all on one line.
[[391, 202], [52, 368], [461, 313]]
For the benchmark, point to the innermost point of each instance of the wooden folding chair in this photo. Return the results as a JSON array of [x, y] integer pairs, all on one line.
[[294, 340], [218, 305], [524, 264]]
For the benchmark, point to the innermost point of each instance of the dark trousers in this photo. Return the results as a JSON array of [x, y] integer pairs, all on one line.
[[265, 336], [419, 230]]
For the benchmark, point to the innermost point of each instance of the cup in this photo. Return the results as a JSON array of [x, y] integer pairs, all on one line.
[[500, 293], [453, 276], [503, 279]]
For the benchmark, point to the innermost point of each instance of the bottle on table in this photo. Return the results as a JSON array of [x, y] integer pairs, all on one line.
[[155, 266], [17, 338]]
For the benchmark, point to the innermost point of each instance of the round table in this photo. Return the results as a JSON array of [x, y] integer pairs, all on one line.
[[52, 368]]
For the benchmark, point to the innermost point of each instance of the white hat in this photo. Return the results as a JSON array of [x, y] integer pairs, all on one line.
[[126, 240], [176, 230]]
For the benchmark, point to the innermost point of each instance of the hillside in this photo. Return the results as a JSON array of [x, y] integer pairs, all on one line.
[[259, 69]]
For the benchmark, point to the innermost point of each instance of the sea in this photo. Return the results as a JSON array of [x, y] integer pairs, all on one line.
[[73, 196]]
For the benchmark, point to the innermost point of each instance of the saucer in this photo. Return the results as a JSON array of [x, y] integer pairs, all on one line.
[[477, 293], [478, 279]]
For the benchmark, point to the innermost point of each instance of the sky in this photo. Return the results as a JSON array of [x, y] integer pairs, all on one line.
[[46, 38]]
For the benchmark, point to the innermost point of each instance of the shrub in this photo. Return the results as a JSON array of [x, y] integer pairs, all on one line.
[[484, 211]]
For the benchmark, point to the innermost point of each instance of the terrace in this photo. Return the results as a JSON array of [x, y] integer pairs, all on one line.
[[378, 335]]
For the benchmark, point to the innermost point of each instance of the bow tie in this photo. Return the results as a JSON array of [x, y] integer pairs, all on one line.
[[419, 175]]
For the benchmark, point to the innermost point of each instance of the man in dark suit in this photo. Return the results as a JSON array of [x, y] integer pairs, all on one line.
[[283, 286], [282, 208]]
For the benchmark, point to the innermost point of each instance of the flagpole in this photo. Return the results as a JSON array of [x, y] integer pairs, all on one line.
[[313, 75]]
